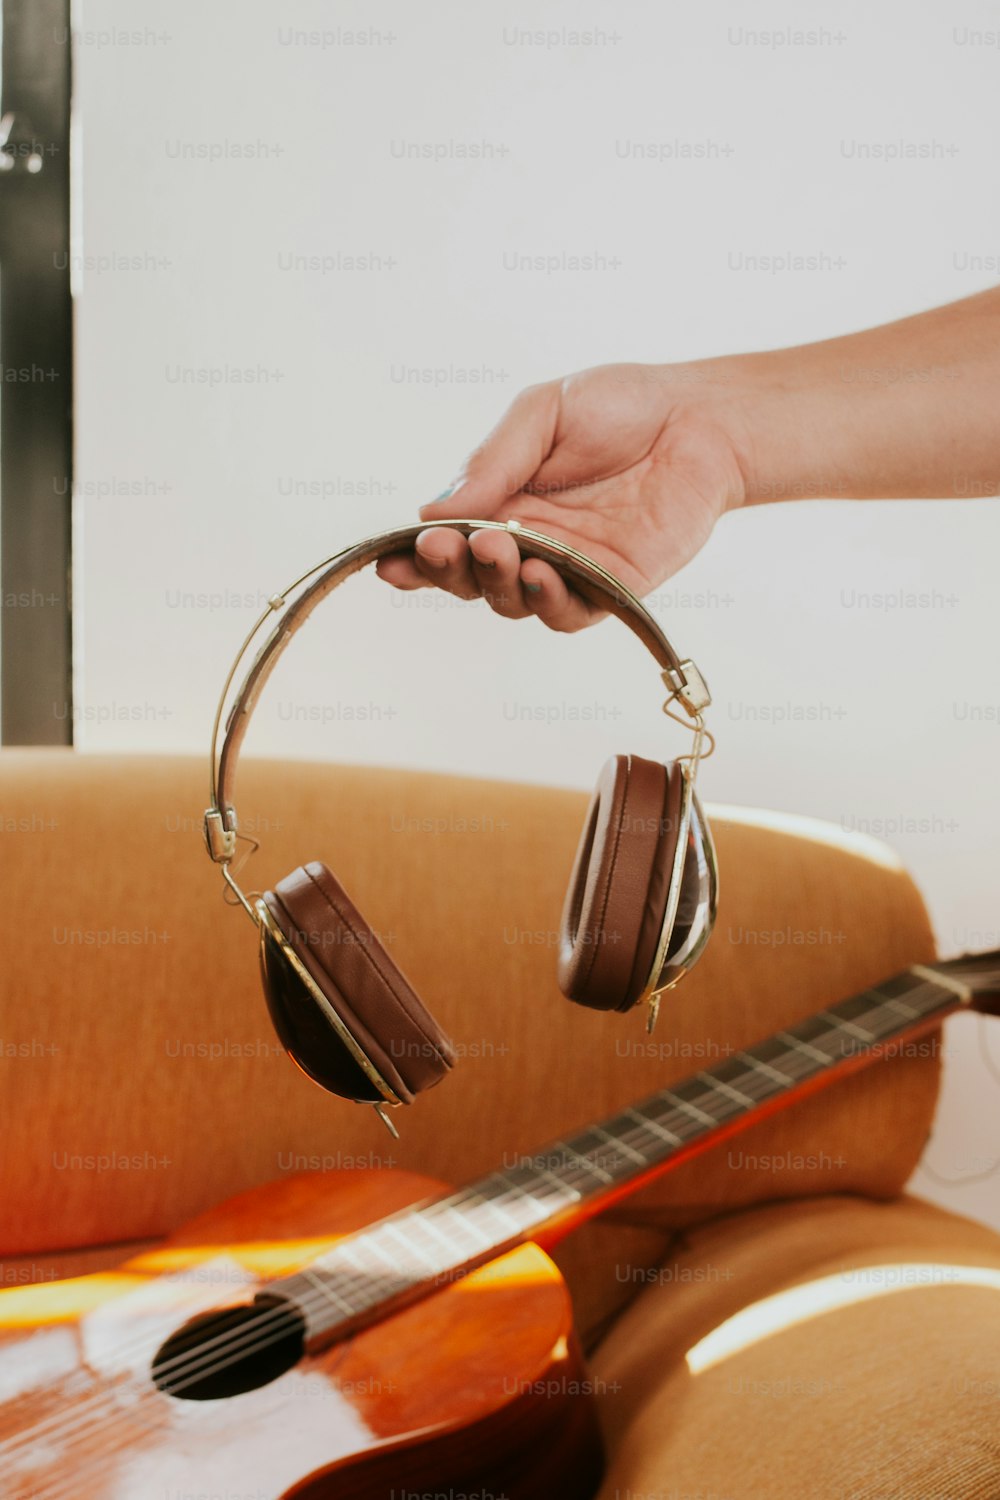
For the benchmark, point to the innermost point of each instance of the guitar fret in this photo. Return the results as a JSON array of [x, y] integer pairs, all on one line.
[[684, 1128], [347, 1251], [953, 983], [409, 1247], [526, 1193], [480, 1197], [420, 1224], [431, 1228], [480, 1200], [907, 1010], [621, 1145], [519, 1196], [859, 1008], [650, 1124], [763, 1067], [469, 1228], [873, 1039], [585, 1161], [471, 1203], [689, 1108], [592, 1145], [850, 1027], [564, 1187], [372, 1241], [922, 990], [329, 1292], [376, 1290], [806, 1048], [718, 1083], [871, 1023]]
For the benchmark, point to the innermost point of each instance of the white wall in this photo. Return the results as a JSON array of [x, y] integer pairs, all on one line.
[[200, 525]]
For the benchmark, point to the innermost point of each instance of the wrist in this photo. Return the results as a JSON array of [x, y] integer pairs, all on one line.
[[755, 413], [776, 424]]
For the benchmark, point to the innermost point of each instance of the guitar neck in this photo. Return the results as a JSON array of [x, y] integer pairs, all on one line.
[[542, 1196]]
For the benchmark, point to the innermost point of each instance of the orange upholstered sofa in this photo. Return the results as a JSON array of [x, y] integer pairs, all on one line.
[[772, 1319]]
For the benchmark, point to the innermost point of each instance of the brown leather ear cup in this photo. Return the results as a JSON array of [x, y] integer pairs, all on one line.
[[620, 884], [333, 941]]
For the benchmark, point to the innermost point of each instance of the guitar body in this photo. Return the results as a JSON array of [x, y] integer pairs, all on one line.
[[478, 1387]]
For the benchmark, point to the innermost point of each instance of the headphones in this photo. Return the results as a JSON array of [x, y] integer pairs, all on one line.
[[642, 893]]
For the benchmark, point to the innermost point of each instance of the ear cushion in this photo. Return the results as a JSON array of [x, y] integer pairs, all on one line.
[[620, 883], [372, 996]]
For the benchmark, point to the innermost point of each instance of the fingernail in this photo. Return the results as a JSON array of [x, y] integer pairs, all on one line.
[[482, 563], [428, 557], [452, 489], [533, 588]]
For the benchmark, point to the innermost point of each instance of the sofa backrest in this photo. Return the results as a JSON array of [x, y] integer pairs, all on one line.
[[140, 1080]]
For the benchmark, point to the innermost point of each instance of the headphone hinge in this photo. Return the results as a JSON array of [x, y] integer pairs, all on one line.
[[220, 840], [688, 687]]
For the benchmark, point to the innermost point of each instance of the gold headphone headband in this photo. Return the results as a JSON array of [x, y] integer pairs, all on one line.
[[588, 578]]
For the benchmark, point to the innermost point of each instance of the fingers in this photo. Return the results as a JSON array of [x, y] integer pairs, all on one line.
[[551, 601], [506, 459], [401, 571], [442, 558], [488, 564], [496, 566]]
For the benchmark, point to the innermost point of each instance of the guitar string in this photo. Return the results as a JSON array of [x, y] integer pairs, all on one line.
[[406, 1280], [233, 1344]]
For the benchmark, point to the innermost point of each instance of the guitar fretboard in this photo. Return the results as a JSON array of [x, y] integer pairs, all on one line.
[[390, 1261]]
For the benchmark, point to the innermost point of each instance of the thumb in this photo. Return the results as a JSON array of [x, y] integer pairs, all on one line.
[[505, 460]]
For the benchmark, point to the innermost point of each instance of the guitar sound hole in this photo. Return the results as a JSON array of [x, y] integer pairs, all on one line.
[[229, 1352]]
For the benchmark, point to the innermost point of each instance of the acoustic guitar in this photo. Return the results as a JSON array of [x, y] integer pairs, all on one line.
[[372, 1335]]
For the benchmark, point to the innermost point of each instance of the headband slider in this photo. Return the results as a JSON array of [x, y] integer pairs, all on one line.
[[688, 686], [220, 839]]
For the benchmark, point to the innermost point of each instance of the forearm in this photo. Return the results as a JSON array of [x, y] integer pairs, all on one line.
[[907, 409]]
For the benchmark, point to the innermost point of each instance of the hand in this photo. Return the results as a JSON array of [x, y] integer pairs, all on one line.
[[630, 464]]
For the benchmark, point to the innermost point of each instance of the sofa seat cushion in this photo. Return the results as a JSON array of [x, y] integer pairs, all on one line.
[[829, 1347]]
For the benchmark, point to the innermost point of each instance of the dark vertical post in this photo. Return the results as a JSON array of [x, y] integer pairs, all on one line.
[[36, 365]]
